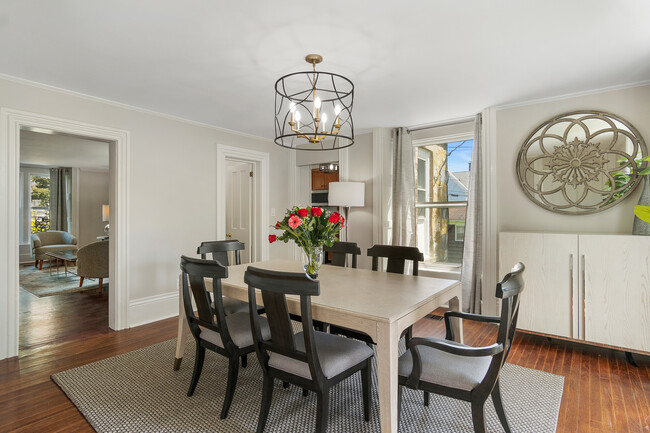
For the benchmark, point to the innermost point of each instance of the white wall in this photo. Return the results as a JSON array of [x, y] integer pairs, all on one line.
[[360, 218], [172, 181], [93, 193], [514, 210]]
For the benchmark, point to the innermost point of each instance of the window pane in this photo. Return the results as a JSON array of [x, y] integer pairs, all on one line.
[[422, 174], [40, 203], [441, 236]]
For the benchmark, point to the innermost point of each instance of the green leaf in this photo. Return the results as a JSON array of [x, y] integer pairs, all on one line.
[[643, 212], [646, 158], [644, 171]]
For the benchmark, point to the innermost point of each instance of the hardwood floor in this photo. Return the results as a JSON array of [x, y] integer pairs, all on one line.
[[602, 392]]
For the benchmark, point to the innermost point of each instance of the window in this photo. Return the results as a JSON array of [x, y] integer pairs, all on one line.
[[39, 187], [443, 166]]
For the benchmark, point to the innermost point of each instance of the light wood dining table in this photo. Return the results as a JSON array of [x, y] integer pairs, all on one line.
[[380, 304]]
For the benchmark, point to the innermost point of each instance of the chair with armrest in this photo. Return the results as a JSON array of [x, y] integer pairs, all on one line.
[[339, 252], [397, 257], [310, 359], [52, 240], [93, 262], [229, 336], [463, 372]]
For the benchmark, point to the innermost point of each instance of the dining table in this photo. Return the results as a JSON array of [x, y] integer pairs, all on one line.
[[380, 304]]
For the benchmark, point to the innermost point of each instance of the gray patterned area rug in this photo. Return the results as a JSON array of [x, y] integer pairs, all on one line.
[[139, 392], [45, 283]]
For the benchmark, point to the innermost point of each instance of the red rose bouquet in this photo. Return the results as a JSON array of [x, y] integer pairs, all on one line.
[[310, 228]]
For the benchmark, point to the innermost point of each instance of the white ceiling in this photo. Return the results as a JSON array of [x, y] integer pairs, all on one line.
[[412, 62], [62, 151]]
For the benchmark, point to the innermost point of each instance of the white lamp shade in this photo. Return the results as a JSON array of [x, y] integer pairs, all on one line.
[[105, 212], [346, 194]]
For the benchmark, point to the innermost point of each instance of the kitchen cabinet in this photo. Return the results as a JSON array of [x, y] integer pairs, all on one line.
[[320, 180]]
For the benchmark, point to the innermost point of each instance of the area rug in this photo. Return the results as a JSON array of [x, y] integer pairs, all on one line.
[[41, 283], [139, 391]]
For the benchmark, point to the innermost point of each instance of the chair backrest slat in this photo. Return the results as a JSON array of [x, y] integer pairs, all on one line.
[[219, 250], [339, 252], [397, 256], [277, 312]]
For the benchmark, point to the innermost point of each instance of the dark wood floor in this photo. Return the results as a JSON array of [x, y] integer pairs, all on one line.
[[602, 392]]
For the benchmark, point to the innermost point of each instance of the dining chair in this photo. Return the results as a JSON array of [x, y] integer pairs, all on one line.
[[396, 259], [310, 359], [463, 372], [229, 336], [337, 254], [219, 251]]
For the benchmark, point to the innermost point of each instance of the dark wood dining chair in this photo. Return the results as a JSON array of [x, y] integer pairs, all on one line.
[[310, 359], [337, 254], [397, 257], [229, 336], [463, 372], [219, 251]]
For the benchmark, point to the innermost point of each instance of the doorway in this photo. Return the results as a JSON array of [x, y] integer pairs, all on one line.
[[230, 156], [14, 122], [240, 224]]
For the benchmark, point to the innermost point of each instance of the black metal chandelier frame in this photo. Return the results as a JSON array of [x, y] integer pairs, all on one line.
[[339, 135]]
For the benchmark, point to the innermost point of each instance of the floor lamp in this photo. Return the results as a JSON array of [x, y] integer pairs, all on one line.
[[346, 195]]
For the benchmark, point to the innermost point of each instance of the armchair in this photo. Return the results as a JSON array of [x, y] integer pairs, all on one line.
[[53, 240], [92, 262]]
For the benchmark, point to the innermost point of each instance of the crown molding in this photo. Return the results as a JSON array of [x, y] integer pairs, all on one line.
[[572, 95], [51, 88]]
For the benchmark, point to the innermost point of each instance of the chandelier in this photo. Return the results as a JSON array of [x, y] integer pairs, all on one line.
[[313, 110]]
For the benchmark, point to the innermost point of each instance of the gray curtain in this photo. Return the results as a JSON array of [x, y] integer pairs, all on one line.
[[472, 271], [403, 195], [60, 206]]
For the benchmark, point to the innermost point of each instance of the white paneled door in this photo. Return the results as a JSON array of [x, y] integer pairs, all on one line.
[[239, 206]]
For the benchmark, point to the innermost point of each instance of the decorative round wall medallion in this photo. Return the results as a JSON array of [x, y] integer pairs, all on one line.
[[581, 162]]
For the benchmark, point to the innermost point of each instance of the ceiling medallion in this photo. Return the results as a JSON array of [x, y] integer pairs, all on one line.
[[313, 110], [581, 162]]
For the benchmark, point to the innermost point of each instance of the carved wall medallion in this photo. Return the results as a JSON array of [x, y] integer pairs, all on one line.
[[581, 162]]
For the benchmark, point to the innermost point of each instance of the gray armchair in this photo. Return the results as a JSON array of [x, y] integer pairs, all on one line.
[[92, 262], [53, 240]]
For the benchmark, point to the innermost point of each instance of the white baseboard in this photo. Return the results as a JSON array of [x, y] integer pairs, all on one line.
[[153, 308]]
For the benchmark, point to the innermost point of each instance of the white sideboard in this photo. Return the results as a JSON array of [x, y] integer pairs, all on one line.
[[593, 288]]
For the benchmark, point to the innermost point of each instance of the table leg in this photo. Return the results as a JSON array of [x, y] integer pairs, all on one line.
[[455, 304], [182, 329], [387, 356]]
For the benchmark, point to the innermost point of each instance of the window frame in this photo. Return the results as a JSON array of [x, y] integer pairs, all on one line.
[[440, 271]]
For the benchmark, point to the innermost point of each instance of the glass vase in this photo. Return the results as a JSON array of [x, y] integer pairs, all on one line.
[[312, 259]]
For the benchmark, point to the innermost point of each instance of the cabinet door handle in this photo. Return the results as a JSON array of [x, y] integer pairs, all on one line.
[[571, 291]]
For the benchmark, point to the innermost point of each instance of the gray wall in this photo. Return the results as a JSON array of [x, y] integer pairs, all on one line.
[[172, 177], [360, 219], [93, 193], [514, 210]]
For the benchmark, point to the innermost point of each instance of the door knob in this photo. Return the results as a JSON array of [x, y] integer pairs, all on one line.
[[228, 235]]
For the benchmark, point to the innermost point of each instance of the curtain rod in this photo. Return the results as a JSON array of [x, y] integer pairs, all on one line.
[[443, 123]]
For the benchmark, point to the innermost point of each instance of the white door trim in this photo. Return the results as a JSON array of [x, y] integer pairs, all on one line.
[[260, 195], [11, 122]]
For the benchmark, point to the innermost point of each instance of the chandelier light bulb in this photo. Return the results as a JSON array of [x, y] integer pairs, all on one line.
[[297, 116], [324, 120], [317, 103], [292, 107], [337, 110]]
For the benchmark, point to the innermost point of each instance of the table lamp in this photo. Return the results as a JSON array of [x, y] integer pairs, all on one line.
[[105, 214], [346, 195]]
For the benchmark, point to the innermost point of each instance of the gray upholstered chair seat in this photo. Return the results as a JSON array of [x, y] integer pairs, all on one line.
[[232, 306], [336, 354], [53, 240], [239, 326], [446, 369]]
